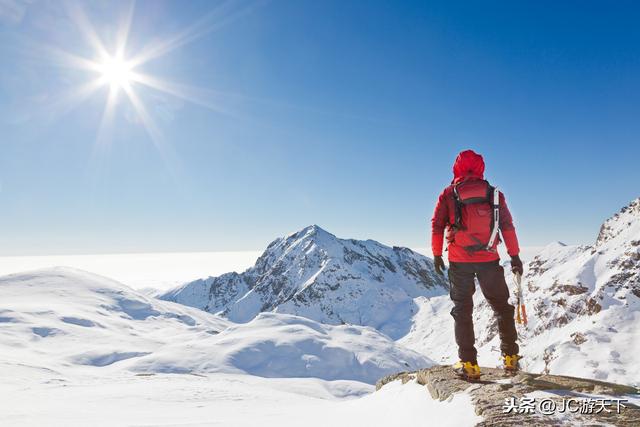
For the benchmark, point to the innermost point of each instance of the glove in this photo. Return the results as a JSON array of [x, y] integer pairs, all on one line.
[[438, 263], [516, 265]]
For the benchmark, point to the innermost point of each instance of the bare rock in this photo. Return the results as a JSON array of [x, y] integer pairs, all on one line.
[[496, 387]]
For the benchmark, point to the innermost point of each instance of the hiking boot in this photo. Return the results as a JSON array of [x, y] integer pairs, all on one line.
[[510, 362], [467, 370]]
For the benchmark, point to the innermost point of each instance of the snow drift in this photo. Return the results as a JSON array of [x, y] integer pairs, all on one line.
[[65, 321], [280, 345]]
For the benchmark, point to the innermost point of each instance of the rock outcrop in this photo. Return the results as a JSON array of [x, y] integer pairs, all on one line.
[[492, 397]]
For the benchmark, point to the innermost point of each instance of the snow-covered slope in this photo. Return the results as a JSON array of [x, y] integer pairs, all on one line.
[[226, 400], [583, 304], [314, 274], [281, 345], [55, 318], [63, 322]]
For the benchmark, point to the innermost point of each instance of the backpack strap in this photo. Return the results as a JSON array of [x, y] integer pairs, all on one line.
[[495, 219], [457, 223]]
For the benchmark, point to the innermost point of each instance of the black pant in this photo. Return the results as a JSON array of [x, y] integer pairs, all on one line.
[[495, 290]]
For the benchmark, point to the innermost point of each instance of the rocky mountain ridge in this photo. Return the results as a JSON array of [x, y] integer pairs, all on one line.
[[593, 293], [314, 274]]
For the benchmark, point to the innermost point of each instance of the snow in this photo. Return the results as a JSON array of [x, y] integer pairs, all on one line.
[[80, 349], [280, 345], [431, 333], [608, 354], [57, 318], [585, 305], [61, 319], [225, 399]]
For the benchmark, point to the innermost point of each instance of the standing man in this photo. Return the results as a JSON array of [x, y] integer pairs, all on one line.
[[472, 212]]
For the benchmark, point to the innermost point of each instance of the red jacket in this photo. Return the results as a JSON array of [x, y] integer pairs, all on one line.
[[468, 166]]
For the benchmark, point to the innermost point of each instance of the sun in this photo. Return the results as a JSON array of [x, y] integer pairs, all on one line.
[[115, 71]]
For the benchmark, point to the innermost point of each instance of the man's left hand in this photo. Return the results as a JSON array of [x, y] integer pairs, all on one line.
[[516, 265]]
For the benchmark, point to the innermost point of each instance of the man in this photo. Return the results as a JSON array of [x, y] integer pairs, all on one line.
[[472, 212]]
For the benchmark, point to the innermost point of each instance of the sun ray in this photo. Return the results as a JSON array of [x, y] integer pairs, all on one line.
[[103, 134], [151, 127], [184, 92], [67, 59], [221, 15], [77, 14], [123, 31], [107, 117], [66, 102]]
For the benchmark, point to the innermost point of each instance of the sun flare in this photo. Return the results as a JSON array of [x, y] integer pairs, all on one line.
[[121, 69]]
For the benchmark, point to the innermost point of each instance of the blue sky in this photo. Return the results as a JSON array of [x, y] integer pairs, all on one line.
[[344, 114]]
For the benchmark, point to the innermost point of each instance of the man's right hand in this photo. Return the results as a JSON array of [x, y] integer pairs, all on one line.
[[438, 263]]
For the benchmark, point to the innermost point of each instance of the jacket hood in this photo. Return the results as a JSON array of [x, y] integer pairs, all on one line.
[[468, 164]]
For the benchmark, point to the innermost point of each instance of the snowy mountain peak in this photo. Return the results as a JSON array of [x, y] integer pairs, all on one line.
[[553, 246], [315, 274], [307, 238], [311, 231], [625, 223]]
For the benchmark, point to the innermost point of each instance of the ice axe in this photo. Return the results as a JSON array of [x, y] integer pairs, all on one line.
[[521, 311]]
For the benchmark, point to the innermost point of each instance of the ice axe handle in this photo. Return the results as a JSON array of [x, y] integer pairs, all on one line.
[[521, 311], [517, 278], [524, 314]]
